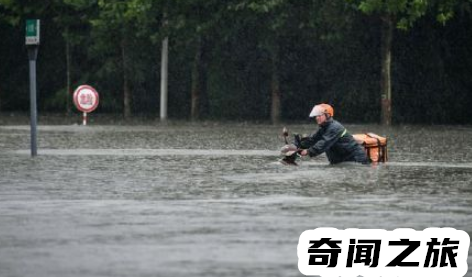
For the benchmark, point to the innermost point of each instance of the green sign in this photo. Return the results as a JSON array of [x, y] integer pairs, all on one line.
[[32, 31]]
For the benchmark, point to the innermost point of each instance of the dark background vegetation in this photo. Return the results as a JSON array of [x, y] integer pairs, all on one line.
[[327, 51]]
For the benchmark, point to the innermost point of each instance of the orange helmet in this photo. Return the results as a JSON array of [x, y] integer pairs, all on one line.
[[322, 109]]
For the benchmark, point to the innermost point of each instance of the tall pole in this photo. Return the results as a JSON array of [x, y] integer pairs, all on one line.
[[32, 55], [32, 44], [164, 77]]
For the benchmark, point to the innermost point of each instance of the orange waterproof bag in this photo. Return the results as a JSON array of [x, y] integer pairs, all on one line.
[[375, 146]]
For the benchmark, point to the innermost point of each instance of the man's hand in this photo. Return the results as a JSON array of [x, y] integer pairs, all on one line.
[[304, 152]]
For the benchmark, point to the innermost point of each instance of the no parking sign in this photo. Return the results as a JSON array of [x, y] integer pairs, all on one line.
[[86, 100]]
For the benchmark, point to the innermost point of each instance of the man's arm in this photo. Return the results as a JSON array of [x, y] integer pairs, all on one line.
[[325, 142]]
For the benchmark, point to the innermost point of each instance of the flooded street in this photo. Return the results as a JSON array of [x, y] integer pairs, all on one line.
[[210, 199]]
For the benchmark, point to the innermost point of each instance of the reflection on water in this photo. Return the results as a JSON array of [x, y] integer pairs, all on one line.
[[209, 200]]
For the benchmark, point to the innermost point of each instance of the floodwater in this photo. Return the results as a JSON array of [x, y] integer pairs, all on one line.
[[209, 199]]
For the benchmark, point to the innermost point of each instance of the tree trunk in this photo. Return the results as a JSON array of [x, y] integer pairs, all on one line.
[[386, 78], [126, 90], [275, 90], [198, 82], [68, 74]]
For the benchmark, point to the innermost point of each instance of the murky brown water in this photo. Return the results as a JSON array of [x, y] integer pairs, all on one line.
[[209, 200]]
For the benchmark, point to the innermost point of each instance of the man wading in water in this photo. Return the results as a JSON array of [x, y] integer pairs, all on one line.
[[331, 138]]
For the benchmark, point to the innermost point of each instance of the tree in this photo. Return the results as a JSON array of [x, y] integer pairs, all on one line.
[[71, 16], [194, 23], [151, 16], [271, 16], [114, 34], [399, 14], [187, 22]]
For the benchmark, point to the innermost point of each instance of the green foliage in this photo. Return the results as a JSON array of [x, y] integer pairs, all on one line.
[[14, 11], [407, 12], [327, 51]]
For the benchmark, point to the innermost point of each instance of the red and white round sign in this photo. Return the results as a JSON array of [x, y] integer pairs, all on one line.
[[86, 98]]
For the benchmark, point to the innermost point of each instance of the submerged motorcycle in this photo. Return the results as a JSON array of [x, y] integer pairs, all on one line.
[[374, 145], [291, 151]]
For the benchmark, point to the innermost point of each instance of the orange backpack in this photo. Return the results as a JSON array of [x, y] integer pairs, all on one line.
[[374, 145]]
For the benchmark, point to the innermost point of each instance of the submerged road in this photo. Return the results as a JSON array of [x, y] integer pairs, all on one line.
[[198, 200]]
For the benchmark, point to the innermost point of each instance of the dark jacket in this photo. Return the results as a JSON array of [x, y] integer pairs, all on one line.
[[339, 145]]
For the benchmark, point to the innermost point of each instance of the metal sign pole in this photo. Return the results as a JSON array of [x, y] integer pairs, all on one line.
[[32, 54], [32, 43]]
